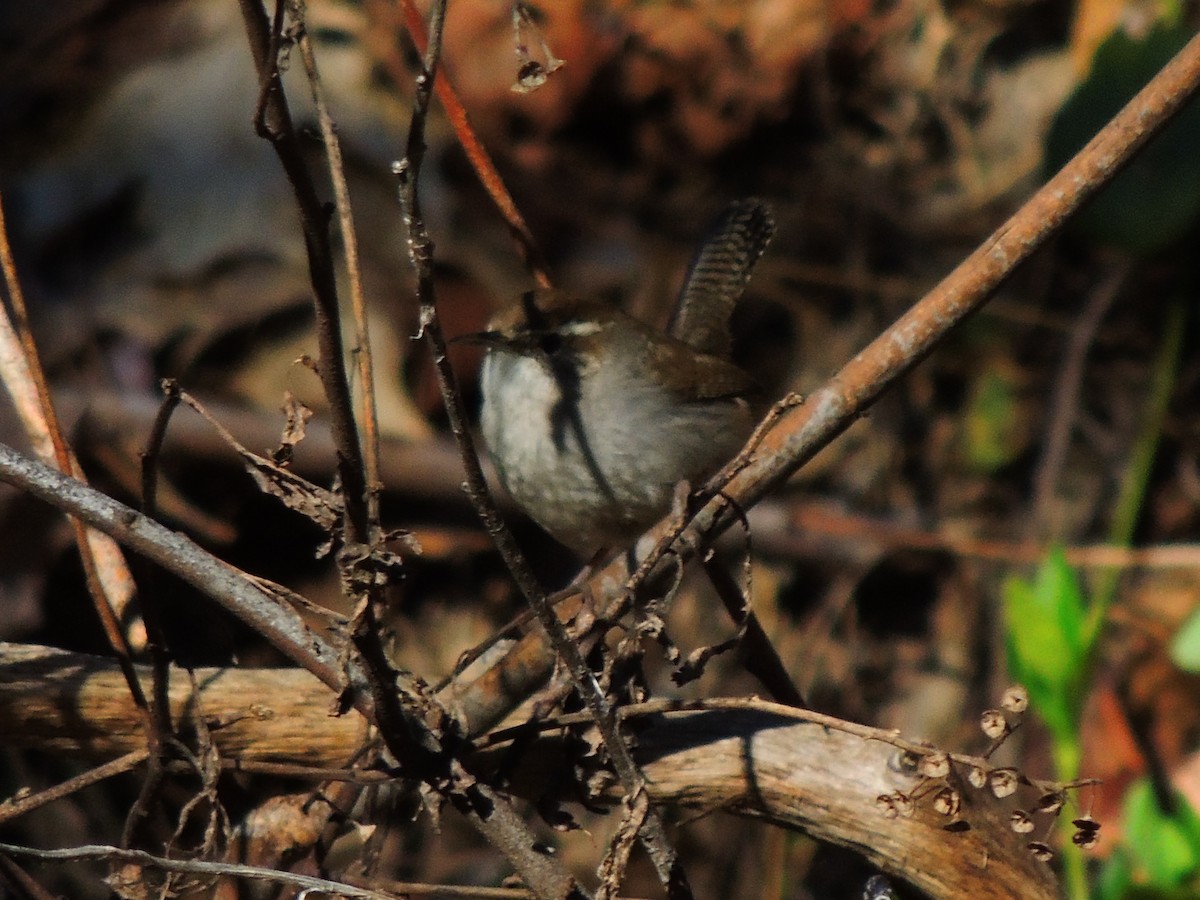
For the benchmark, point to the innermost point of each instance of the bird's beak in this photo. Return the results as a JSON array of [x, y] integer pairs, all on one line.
[[478, 339]]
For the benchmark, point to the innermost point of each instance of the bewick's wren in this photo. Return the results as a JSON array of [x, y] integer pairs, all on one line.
[[593, 417]]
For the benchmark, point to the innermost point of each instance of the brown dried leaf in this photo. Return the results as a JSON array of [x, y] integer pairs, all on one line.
[[293, 430], [316, 503]]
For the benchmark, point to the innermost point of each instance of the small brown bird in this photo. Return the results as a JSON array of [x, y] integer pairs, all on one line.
[[593, 417]]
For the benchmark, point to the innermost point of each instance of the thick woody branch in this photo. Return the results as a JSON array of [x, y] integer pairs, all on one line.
[[749, 761], [70, 703]]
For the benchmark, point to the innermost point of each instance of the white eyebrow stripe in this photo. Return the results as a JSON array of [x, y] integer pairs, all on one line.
[[580, 328]]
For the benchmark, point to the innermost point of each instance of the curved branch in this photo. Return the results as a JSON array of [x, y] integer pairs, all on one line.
[[749, 761]]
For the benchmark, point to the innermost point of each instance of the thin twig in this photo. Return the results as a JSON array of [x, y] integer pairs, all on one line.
[[15, 807], [384, 11], [196, 867], [1131, 493], [150, 610], [309, 773], [16, 878], [811, 526], [276, 126], [446, 891], [758, 654], [672, 707], [160, 706], [358, 305]]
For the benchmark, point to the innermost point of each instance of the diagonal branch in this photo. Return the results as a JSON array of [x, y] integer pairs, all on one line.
[[803, 431]]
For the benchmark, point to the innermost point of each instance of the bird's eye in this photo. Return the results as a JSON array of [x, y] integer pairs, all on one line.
[[550, 342]]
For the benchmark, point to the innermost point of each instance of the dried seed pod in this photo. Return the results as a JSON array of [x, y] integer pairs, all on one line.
[[1015, 699], [1003, 782], [993, 723], [1088, 833], [935, 765], [904, 761], [895, 805], [1041, 852], [976, 776], [1051, 802], [1020, 822], [947, 802]]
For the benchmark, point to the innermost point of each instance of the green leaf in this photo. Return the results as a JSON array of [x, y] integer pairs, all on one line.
[[1164, 848], [1115, 878], [1050, 641], [1185, 646]]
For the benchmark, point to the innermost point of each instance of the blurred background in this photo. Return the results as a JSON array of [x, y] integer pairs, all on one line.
[[905, 575]]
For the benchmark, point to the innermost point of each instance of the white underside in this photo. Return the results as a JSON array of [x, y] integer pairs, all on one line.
[[642, 440]]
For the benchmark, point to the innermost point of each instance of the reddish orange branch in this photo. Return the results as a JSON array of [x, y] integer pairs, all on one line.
[[480, 159]]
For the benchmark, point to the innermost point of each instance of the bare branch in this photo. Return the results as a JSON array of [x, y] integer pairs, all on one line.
[[341, 194], [279, 624], [794, 768]]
